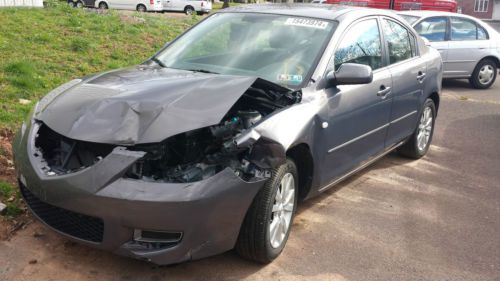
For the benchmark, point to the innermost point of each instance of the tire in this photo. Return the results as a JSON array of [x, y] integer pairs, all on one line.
[[71, 3], [199, 13], [188, 10], [255, 241], [413, 148], [141, 8], [103, 6], [484, 74], [79, 4]]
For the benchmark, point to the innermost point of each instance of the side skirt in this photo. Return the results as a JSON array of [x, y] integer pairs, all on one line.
[[362, 166]]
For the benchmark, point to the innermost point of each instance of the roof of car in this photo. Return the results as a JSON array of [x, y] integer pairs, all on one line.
[[322, 11], [426, 14], [429, 13]]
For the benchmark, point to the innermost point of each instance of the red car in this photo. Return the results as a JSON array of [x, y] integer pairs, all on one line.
[[402, 5]]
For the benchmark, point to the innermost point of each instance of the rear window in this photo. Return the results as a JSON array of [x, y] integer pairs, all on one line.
[[410, 19]]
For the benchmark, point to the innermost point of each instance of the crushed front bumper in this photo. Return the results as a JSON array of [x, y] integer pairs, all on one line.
[[97, 206]]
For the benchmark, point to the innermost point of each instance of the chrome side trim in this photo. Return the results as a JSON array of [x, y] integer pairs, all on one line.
[[361, 167], [403, 117], [358, 138]]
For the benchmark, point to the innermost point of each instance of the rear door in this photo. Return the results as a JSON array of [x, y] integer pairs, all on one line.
[[435, 30], [468, 44], [408, 71], [358, 115]]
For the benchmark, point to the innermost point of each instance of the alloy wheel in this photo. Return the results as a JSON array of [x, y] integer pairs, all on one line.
[[282, 210], [424, 129]]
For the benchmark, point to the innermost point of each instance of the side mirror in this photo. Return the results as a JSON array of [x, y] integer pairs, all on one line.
[[350, 74], [426, 41]]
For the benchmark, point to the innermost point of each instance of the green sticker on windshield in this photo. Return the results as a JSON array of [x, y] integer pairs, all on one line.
[[294, 79]]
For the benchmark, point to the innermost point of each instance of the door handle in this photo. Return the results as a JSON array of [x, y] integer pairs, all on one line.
[[421, 76], [384, 91]]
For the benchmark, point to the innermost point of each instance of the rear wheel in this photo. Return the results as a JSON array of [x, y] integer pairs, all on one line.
[[79, 4], [189, 10], [419, 142], [484, 74], [141, 8], [103, 6], [267, 224]]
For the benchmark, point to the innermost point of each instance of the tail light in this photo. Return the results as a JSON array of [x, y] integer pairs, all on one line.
[[152, 2]]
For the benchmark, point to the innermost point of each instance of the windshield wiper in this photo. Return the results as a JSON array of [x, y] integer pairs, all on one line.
[[202, 70], [159, 62]]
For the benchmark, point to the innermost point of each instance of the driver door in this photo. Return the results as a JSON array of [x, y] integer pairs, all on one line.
[[358, 115]]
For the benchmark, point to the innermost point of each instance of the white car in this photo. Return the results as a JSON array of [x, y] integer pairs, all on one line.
[[188, 6], [470, 48], [138, 5]]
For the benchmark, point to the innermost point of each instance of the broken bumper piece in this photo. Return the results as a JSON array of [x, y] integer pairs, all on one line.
[[160, 222]]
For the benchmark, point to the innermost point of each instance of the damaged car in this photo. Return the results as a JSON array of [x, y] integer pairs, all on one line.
[[210, 144]]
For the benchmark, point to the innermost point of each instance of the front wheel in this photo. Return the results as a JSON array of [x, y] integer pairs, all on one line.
[[484, 74], [79, 4], [419, 142], [268, 221]]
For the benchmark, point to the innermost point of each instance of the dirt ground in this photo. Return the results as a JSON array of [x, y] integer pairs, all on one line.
[[437, 218]]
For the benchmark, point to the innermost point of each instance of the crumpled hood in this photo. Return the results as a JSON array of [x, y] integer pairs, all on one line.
[[142, 104]]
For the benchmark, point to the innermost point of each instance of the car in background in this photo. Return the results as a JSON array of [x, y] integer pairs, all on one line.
[[211, 143], [319, 2], [188, 6], [401, 5], [470, 48], [82, 3], [138, 5]]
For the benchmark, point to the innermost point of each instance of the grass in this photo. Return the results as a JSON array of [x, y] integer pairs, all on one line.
[[43, 48], [13, 203]]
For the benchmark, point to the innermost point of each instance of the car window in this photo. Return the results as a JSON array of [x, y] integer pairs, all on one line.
[[481, 33], [398, 41], [413, 42], [280, 48], [409, 19], [361, 44], [434, 29], [463, 29]]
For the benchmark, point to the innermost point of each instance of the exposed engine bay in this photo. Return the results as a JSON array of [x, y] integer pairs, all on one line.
[[187, 157]]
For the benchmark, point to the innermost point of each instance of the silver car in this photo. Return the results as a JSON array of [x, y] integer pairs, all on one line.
[[470, 48]]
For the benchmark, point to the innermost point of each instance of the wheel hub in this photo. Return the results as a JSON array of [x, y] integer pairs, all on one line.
[[282, 210]]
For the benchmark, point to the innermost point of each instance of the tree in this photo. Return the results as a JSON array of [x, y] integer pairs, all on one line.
[[226, 4]]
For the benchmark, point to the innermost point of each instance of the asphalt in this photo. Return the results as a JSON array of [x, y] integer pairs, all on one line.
[[437, 218]]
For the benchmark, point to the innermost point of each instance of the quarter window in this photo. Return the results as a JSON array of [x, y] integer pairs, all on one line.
[[481, 6], [398, 41], [361, 45], [463, 29], [434, 29]]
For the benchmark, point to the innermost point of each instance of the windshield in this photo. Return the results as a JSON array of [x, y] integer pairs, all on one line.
[[410, 19], [281, 49]]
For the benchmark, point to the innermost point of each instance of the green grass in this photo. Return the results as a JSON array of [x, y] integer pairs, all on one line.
[[43, 48], [8, 192]]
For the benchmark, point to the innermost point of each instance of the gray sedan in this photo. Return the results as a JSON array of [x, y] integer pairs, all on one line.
[[470, 48], [210, 144]]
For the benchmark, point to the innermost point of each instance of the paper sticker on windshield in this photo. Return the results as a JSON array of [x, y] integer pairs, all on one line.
[[290, 78], [307, 22]]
